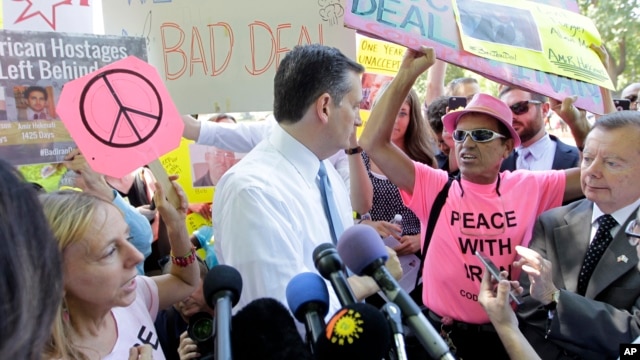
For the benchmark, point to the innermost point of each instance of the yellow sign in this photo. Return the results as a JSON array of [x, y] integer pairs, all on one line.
[[532, 35], [381, 60], [178, 162]]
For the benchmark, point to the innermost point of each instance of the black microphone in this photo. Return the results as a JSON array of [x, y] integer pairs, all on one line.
[[264, 329], [308, 299], [393, 315], [330, 266], [221, 288], [357, 331], [365, 254]]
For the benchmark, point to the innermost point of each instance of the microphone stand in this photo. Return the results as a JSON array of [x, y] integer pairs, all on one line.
[[394, 317]]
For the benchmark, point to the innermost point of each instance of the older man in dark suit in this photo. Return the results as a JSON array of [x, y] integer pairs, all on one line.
[[582, 281]]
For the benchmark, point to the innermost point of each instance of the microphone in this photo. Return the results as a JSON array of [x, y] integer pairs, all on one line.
[[308, 299], [264, 329], [365, 254], [357, 331], [393, 315], [330, 266], [221, 288]]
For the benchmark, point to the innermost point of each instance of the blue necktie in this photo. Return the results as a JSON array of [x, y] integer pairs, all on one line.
[[330, 208]]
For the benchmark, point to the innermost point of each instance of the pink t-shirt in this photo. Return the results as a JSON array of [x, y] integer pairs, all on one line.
[[479, 219], [135, 322]]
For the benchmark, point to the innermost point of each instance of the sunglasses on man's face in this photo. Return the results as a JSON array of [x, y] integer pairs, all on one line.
[[477, 135], [522, 107]]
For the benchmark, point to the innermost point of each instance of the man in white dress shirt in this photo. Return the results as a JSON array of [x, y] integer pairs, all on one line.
[[268, 211]]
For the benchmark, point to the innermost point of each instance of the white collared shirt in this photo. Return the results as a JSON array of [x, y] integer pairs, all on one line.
[[543, 153], [268, 217], [621, 215]]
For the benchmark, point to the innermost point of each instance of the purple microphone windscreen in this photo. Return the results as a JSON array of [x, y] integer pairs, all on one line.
[[307, 288], [359, 246], [221, 278], [357, 331]]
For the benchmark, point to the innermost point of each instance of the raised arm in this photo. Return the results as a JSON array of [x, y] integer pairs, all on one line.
[[574, 118], [184, 276], [360, 189], [435, 81], [376, 137]]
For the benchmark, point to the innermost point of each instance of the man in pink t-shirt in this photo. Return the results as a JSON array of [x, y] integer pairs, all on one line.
[[484, 209]]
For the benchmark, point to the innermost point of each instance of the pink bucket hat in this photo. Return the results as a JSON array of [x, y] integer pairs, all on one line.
[[485, 104]]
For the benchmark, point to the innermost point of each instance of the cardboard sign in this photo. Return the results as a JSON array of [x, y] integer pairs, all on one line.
[[34, 66], [222, 56], [432, 23]]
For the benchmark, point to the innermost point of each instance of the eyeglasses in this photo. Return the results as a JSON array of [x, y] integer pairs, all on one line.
[[477, 135], [522, 107], [634, 237]]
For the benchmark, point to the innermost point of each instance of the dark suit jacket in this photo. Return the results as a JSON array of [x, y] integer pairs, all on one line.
[[566, 157], [591, 326]]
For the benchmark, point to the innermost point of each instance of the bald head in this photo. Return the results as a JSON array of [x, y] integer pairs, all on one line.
[[631, 93]]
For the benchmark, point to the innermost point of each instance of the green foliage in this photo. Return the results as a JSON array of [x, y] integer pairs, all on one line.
[[618, 22]]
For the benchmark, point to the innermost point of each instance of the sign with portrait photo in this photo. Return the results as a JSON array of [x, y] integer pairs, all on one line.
[[34, 66]]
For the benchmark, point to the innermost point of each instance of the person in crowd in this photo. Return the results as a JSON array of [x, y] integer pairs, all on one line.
[[436, 110], [412, 135], [483, 210], [283, 199], [497, 304], [107, 308], [137, 188], [173, 322], [93, 183], [538, 150], [584, 292], [31, 267], [631, 93]]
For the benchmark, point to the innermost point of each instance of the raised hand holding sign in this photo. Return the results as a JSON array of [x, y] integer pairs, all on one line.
[[122, 117]]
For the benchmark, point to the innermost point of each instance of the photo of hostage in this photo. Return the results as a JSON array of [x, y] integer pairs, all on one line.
[[36, 99], [216, 163]]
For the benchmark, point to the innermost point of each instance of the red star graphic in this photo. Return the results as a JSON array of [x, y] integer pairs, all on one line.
[[42, 8]]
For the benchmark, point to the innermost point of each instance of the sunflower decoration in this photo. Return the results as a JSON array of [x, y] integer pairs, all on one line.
[[357, 331], [346, 327]]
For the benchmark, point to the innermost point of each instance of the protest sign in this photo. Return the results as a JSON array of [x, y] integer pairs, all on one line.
[[532, 35], [74, 16], [381, 60], [34, 66], [432, 23], [222, 58], [122, 118]]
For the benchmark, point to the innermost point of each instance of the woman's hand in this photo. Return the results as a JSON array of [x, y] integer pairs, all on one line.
[[174, 218], [409, 244], [384, 228]]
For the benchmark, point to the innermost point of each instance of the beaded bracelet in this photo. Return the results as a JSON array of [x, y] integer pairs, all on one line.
[[186, 260]]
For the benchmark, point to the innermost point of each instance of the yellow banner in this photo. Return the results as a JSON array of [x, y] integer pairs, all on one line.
[[178, 162], [381, 60], [532, 35]]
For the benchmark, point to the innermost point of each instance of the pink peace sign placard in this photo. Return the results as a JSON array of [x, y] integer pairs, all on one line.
[[121, 116]]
